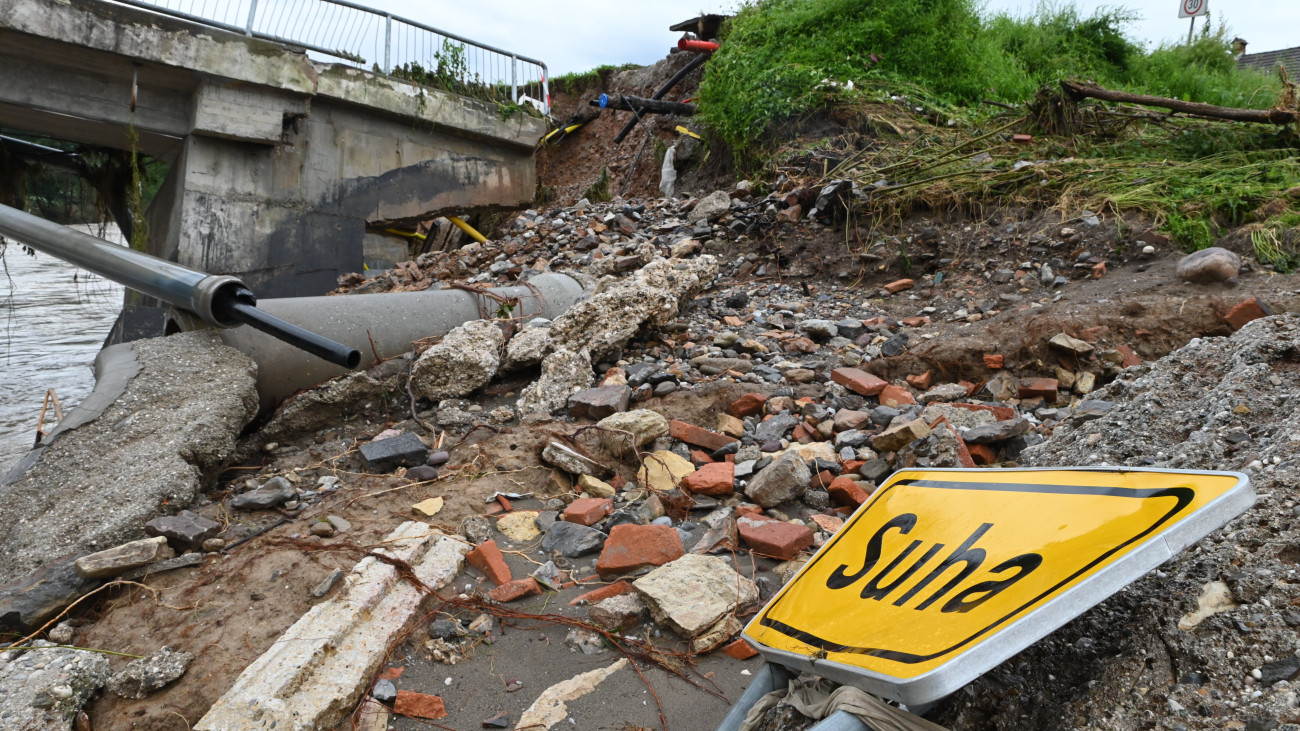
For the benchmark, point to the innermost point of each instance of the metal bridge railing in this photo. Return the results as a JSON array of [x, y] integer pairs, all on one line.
[[382, 42]]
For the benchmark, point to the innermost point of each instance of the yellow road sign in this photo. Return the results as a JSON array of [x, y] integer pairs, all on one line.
[[944, 573]]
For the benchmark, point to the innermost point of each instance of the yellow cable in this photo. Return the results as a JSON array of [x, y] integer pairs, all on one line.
[[407, 234], [468, 229]]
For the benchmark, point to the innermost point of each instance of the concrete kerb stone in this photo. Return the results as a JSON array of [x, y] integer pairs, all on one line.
[[317, 670]]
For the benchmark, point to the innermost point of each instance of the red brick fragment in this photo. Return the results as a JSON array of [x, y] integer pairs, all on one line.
[[419, 705], [1130, 358], [895, 396], [717, 479], [1001, 413], [899, 285], [747, 405], [853, 465], [800, 434], [488, 559], [1244, 312], [588, 510], [1022, 139], [748, 509], [916, 321], [823, 479], [920, 380], [698, 436], [631, 547], [1044, 388], [982, 454], [700, 457], [828, 523], [845, 490], [858, 381], [739, 649], [775, 538], [994, 361], [595, 595], [514, 590]]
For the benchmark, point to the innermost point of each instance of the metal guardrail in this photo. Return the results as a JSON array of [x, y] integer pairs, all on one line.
[[369, 38]]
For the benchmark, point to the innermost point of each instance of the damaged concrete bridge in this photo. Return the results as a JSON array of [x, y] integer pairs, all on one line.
[[279, 163]]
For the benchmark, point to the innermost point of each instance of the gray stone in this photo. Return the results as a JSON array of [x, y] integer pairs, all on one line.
[[1214, 264], [1279, 670], [327, 583], [186, 530], [403, 450], [693, 593], [884, 415], [122, 558], [572, 540], [713, 366], [183, 561], [273, 492], [820, 330], [1090, 409], [642, 426], [422, 473], [710, 207], [785, 479], [36, 598], [384, 691], [558, 455], [894, 346], [43, 688], [775, 427], [997, 432], [618, 613], [437, 458], [600, 402], [340, 525], [875, 470], [1064, 342], [150, 673], [851, 438], [464, 361], [665, 388], [850, 329], [1017, 445]]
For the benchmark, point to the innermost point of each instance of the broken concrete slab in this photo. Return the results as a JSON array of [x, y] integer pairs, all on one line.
[[563, 372], [320, 667], [693, 592], [465, 361], [44, 687], [550, 707], [150, 673], [170, 431]]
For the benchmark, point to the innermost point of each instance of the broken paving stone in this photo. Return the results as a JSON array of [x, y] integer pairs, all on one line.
[[643, 426], [43, 690], [900, 435], [419, 705], [428, 508], [405, 450], [275, 491], [150, 673], [464, 361], [563, 372], [186, 530], [786, 478], [618, 613], [662, 470], [123, 558], [563, 457], [519, 526], [632, 547], [600, 402], [693, 592], [572, 540], [995, 433]]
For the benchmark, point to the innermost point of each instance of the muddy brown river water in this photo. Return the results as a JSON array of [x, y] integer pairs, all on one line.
[[53, 320]]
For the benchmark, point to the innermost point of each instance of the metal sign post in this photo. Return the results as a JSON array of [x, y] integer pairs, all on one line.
[[944, 574], [1191, 9]]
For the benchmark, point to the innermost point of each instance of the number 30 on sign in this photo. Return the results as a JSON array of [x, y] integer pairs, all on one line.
[[1192, 8]]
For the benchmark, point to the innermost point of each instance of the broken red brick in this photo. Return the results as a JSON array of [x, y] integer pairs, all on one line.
[[631, 547], [698, 436], [739, 649], [858, 381], [845, 490], [517, 589], [700, 457], [899, 285], [775, 538], [993, 362], [823, 479], [853, 465], [392, 673], [982, 454], [895, 396], [504, 502], [595, 595], [1001, 413], [916, 321], [1022, 139], [488, 559], [419, 705], [828, 523], [800, 434], [1130, 358], [588, 510], [921, 381], [717, 479], [1099, 270], [1044, 388], [748, 509], [747, 405], [1244, 312]]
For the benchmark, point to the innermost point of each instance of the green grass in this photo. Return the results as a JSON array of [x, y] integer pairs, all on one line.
[[577, 82]]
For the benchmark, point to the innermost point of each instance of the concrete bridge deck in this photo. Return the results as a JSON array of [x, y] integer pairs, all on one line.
[[278, 162]]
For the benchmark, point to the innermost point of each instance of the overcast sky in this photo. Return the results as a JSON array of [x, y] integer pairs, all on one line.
[[581, 34]]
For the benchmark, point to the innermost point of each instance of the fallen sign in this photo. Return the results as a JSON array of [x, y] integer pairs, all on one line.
[[888, 606]]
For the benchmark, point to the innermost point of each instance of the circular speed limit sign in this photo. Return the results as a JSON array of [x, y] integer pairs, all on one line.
[[1191, 8]]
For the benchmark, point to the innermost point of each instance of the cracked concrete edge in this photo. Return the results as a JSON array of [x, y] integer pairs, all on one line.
[[115, 366], [315, 673]]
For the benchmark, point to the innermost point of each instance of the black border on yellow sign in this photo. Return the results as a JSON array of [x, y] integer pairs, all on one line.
[[1183, 495]]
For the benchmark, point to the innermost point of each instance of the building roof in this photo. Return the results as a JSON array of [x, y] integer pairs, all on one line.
[[1268, 61]]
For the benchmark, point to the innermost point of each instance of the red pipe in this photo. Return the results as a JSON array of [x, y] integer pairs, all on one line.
[[686, 44]]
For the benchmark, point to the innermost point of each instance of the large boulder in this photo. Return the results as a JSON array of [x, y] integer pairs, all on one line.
[[1215, 264]]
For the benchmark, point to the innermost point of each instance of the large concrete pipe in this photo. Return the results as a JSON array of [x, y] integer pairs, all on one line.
[[383, 324]]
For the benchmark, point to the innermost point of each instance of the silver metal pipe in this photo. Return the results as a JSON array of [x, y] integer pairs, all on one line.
[[375, 324]]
